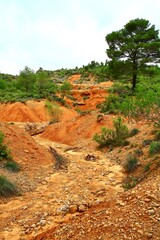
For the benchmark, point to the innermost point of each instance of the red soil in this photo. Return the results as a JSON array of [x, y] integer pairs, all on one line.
[[76, 130]]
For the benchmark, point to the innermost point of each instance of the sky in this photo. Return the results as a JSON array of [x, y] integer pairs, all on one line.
[[55, 34]]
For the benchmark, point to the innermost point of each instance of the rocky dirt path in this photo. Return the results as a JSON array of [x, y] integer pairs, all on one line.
[[132, 215], [87, 180]]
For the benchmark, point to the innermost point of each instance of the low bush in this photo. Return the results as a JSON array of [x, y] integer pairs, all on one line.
[[131, 164], [113, 137], [111, 104], [157, 137], [146, 142], [130, 182], [54, 111], [138, 152], [7, 188], [12, 166], [134, 132], [83, 112], [154, 147], [147, 167], [120, 89], [4, 151]]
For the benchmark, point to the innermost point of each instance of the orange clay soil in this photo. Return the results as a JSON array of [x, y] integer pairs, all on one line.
[[87, 96], [76, 130], [31, 111]]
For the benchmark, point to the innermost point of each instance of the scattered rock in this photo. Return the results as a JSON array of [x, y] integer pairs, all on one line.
[[42, 222], [151, 211], [82, 208], [73, 209], [90, 157], [63, 210]]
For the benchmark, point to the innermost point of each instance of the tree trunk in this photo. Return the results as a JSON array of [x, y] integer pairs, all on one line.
[[134, 76], [134, 81]]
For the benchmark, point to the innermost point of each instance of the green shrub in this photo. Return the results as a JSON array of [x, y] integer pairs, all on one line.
[[134, 132], [130, 182], [66, 87], [154, 147], [147, 167], [4, 151], [54, 111], [157, 135], [120, 89], [131, 164], [112, 137], [138, 152], [7, 188], [12, 166], [111, 104], [146, 142], [83, 112], [85, 98]]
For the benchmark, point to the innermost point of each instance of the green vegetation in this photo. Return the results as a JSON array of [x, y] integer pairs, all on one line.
[[132, 47], [12, 166], [28, 85], [7, 188], [47, 84], [5, 156], [131, 164], [146, 142], [111, 104], [54, 111], [66, 87], [113, 137], [147, 167], [154, 147], [4, 151], [144, 103], [134, 132], [83, 112], [130, 182], [157, 137], [138, 152]]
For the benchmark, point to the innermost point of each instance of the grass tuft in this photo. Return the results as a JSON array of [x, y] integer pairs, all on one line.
[[7, 188]]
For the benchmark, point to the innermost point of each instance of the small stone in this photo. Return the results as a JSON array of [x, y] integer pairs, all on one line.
[[82, 208], [45, 214], [63, 210], [27, 231], [138, 225], [26, 151], [151, 212], [44, 183], [140, 232], [73, 209], [147, 200], [24, 208], [33, 225], [42, 222], [149, 235], [121, 203]]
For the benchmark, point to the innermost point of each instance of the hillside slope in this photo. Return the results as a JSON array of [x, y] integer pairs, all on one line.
[[69, 188]]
